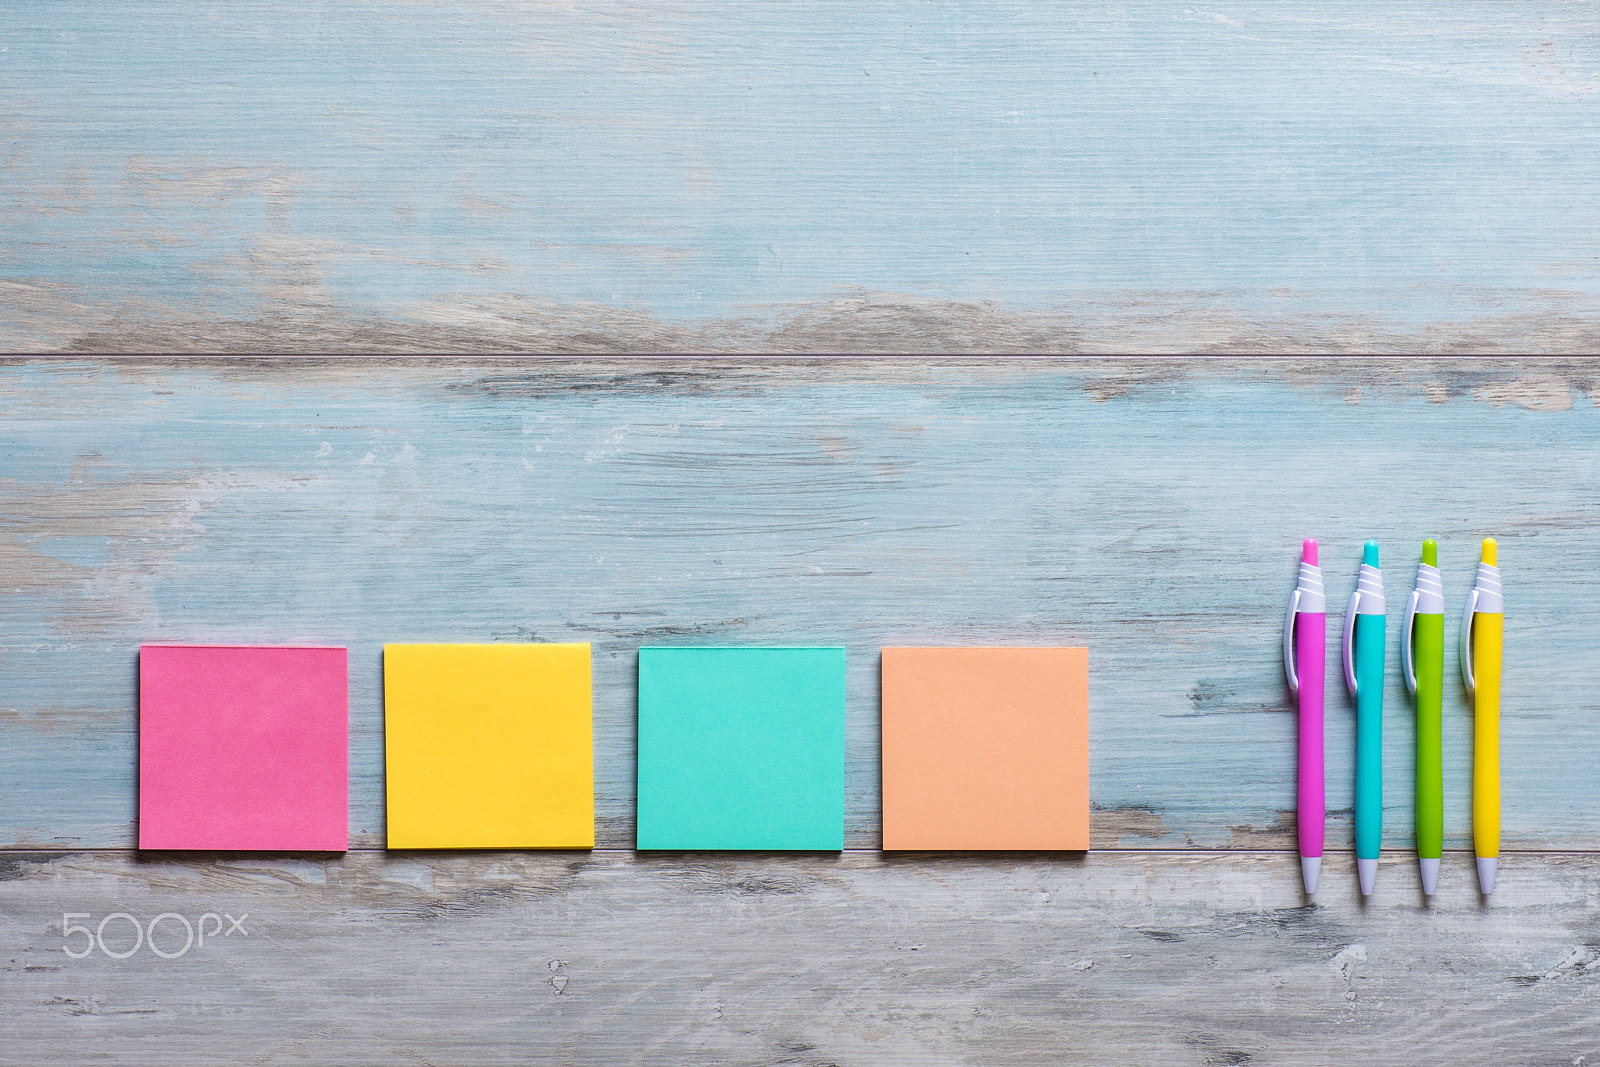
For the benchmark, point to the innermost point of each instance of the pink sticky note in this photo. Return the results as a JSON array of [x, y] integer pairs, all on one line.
[[243, 748]]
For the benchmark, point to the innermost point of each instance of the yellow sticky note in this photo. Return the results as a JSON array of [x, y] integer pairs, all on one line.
[[489, 746]]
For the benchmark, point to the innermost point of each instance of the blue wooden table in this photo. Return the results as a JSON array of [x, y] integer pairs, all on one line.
[[346, 184], [484, 175], [1151, 511]]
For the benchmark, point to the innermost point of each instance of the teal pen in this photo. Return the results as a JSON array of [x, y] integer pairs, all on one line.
[[1363, 674]]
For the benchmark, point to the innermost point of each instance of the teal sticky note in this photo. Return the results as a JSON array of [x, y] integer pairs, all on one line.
[[741, 748]]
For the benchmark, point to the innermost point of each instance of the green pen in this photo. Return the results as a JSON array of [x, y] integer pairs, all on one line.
[[1422, 662]]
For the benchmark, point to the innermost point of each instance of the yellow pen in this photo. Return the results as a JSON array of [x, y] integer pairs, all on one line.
[[1482, 626]]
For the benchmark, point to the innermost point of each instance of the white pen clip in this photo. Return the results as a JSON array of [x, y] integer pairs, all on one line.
[[1349, 642], [1407, 663], [1485, 597], [1369, 595], [1426, 599], [1290, 671], [1466, 643]]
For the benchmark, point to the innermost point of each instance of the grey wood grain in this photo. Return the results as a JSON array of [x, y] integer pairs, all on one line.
[[1151, 511], [1112, 958]]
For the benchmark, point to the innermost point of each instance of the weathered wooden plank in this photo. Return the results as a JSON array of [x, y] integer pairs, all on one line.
[[1179, 958], [473, 175], [1151, 511]]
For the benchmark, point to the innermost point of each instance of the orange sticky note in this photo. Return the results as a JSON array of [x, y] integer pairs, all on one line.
[[985, 748]]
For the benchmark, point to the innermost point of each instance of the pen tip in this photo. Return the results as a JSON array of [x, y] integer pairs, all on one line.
[[1369, 554], [1488, 551], [1486, 866], [1310, 868], [1430, 552], [1308, 551]]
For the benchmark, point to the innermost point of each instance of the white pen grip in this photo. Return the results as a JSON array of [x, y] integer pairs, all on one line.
[[1466, 643], [1349, 642], [1407, 662], [1289, 670]]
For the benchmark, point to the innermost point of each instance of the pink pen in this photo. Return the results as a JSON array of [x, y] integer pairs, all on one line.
[[1305, 630]]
